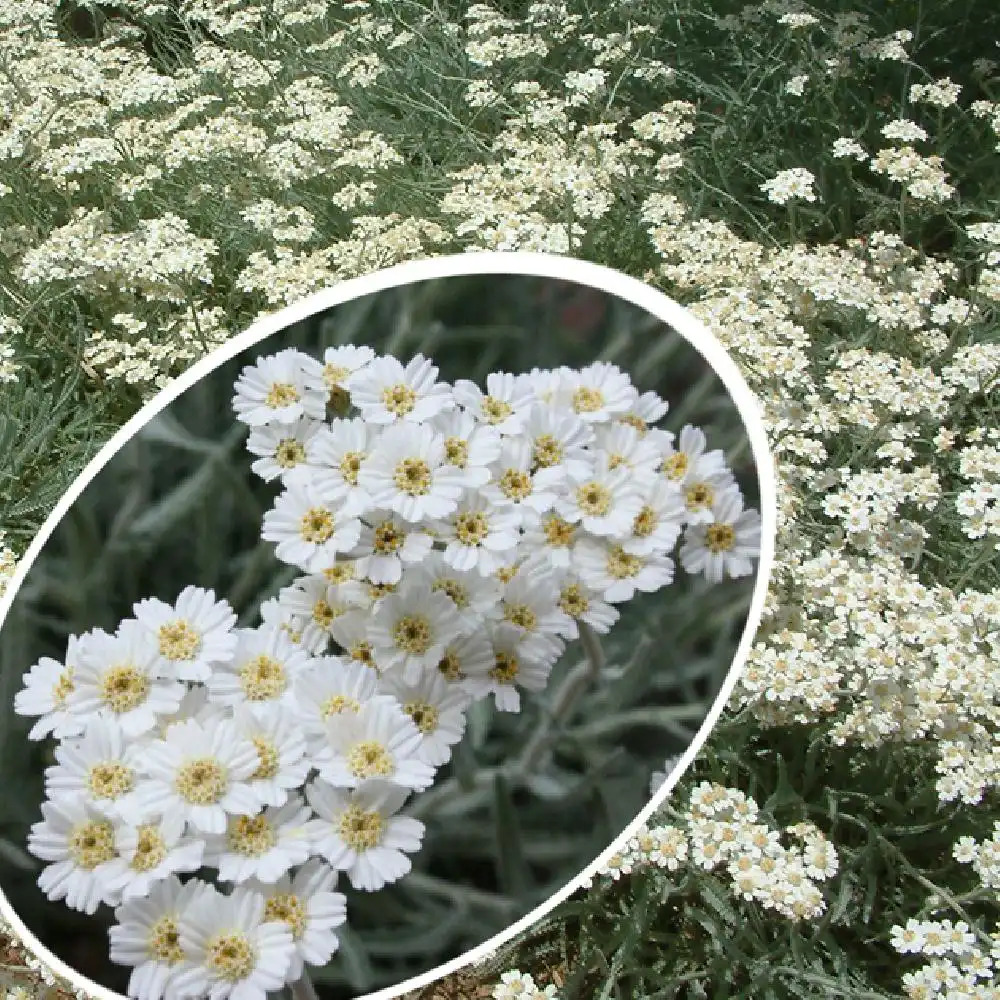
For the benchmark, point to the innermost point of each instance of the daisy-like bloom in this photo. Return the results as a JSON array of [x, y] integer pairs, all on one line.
[[199, 772], [280, 389], [310, 909], [310, 605], [410, 630], [580, 604], [380, 741], [687, 461], [530, 603], [263, 847], [45, 695], [470, 656], [625, 448], [281, 749], [437, 709], [309, 530], [605, 503], [480, 536], [118, 675], [334, 459], [387, 544], [151, 852], [194, 705], [192, 635], [504, 405], [385, 392], [231, 948], [517, 483], [658, 523], [340, 364], [559, 440], [727, 546], [80, 843], [515, 664], [596, 393], [606, 568], [358, 831], [645, 410], [515, 985], [351, 633], [99, 767], [473, 593], [550, 537], [274, 616], [468, 445], [262, 669], [330, 687], [701, 495], [281, 447], [147, 936], [409, 474]]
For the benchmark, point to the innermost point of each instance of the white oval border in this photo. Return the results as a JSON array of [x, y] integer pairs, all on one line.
[[456, 265]]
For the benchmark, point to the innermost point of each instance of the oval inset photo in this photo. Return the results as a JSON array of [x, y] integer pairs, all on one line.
[[364, 640]]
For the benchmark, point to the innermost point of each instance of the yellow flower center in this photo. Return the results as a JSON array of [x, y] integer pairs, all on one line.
[[699, 497], [110, 779], [506, 668], [388, 539], [593, 499], [451, 666], [719, 537], [645, 522], [413, 634], [201, 781], [633, 421], [270, 758], [377, 591], [289, 453], [350, 466], [471, 527], [362, 652], [322, 613], [573, 600], [413, 477], [615, 460], [150, 849], [675, 467], [370, 759], [316, 525], [281, 394], [515, 485], [289, 909], [337, 704], [361, 829], [587, 400], [262, 678], [230, 956], [178, 640], [63, 688], [124, 688], [339, 572], [399, 399], [334, 375], [547, 451], [425, 716], [92, 843], [251, 836], [165, 941], [456, 451], [621, 565], [521, 614], [454, 590], [506, 573]]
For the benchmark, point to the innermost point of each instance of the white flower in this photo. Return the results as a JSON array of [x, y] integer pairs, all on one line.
[[200, 772], [647, 409], [262, 669], [468, 657], [230, 949], [657, 525], [796, 85], [473, 593], [411, 628], [727, 546], [787, 185], [530, 602], [117, 675], [581, 604], [281, 447], [358, 831], [517, 483], [309, 530], [559, 440], [625, 447], [99, 767], [340, 365], [192, 635], [333, 463], [437, 709], [384, 391], [47, 687], [469, 446], [605, 503], [280, 389], [81, 844], [479, 536], [596, 393], [309, 607], [845, 147], [147, 936], [515, 664], [904, 130], [310, 909], [549, 537], [504, 405], [379, 741], [605, 566], [688, 461], [150, 852], [387, 544], [408, 473], [262, 847], [282, 763]]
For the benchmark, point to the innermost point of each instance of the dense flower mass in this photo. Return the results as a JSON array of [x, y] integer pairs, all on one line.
[[422, 517]]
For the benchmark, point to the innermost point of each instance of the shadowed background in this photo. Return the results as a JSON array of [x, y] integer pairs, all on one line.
[[510, 819]]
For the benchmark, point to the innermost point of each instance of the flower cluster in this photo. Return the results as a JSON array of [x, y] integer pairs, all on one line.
[[451, 542]]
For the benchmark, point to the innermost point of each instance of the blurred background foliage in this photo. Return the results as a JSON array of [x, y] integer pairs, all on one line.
[[529, 799]]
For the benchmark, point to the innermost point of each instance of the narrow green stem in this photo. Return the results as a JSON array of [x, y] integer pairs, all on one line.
[[303, 989]]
